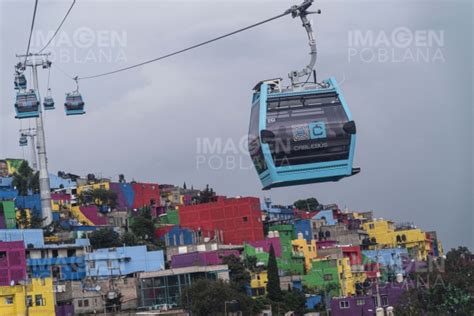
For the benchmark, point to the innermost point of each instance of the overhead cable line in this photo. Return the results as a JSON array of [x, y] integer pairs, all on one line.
[[31, 30], [59, 27], [292, 10]]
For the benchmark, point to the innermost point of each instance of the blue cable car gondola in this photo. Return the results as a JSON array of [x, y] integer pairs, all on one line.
[[48, 102], [303, 133], [23, 140], [74, 104], [27, 105]]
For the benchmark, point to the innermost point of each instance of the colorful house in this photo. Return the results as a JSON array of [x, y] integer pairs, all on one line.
[[290, 263], [384, 234], [12, 262], [231, 221], [332, 275], [207, 258], [258, 283], [107, 262], [33, 298], [307, 249], [7, 214]]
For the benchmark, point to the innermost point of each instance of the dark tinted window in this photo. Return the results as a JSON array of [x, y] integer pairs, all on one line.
[[254, 145], [307, 129]]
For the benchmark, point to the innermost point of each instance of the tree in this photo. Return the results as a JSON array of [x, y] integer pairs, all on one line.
[[143, 227], [98, 197], [273, 285], [208, 297], [25, 179], [129, 239], [309, 204], [448, 291], [104, 238], [239, 276]]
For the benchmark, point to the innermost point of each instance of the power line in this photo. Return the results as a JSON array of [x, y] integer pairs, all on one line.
[[291, 10], [59, 27], [31, 30]]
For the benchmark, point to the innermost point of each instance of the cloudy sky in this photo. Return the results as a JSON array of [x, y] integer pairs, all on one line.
[[405, 68]]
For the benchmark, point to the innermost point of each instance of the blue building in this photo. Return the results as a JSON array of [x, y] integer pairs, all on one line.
[[328, 216], [303, 226], [33, 238], [178, 236], [32, 202], [56, 182], [62, 262], [123, 261], [391, 258], [277, 212]]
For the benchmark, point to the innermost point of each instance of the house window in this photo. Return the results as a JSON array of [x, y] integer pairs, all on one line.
[[91, 264], [86, 303], [344, 304], [3, 254], [360, 302], [39, 300], [8, 300], [29, 301], [246, 219], [328, 277], [371, 226], [109, 263], [384, 301], [79, 303]]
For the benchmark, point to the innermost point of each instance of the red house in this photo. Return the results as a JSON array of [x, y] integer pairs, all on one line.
[[146, 194], [353, 253], [232, 221], [12, 262]]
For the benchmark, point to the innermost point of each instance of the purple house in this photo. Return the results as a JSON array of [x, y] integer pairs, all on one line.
[[366, 304], [12, 262], [208, 258], [266, 243]]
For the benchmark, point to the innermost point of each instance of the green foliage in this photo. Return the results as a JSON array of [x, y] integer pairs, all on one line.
[[273, 285], [239, 276], [143, 227], [309, 204], [207, 297], [250, 263], [104, 238], [26, 179], [446, 292], [25, 221], [129, 239]]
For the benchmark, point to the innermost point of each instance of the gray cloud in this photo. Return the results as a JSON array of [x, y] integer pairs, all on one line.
[[414, 118]]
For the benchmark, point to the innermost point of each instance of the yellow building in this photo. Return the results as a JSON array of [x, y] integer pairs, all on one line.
[[39, 299], [93, 186], [346, 279], [301, 247], [258, 283], [383, 233]]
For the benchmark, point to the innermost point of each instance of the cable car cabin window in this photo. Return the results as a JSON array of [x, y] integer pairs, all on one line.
[[255, 148], [308, 129]]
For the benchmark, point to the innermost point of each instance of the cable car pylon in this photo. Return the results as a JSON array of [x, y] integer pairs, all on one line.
[[34, 61]]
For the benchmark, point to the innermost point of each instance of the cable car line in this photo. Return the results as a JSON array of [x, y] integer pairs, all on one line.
[[31, 29], [289, 11], [59, 27]]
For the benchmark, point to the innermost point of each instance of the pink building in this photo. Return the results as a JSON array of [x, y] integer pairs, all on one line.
[[12, 262], [208, 258]]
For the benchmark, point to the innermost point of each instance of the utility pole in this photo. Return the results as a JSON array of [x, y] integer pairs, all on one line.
[[31, 134], [33, 61]]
